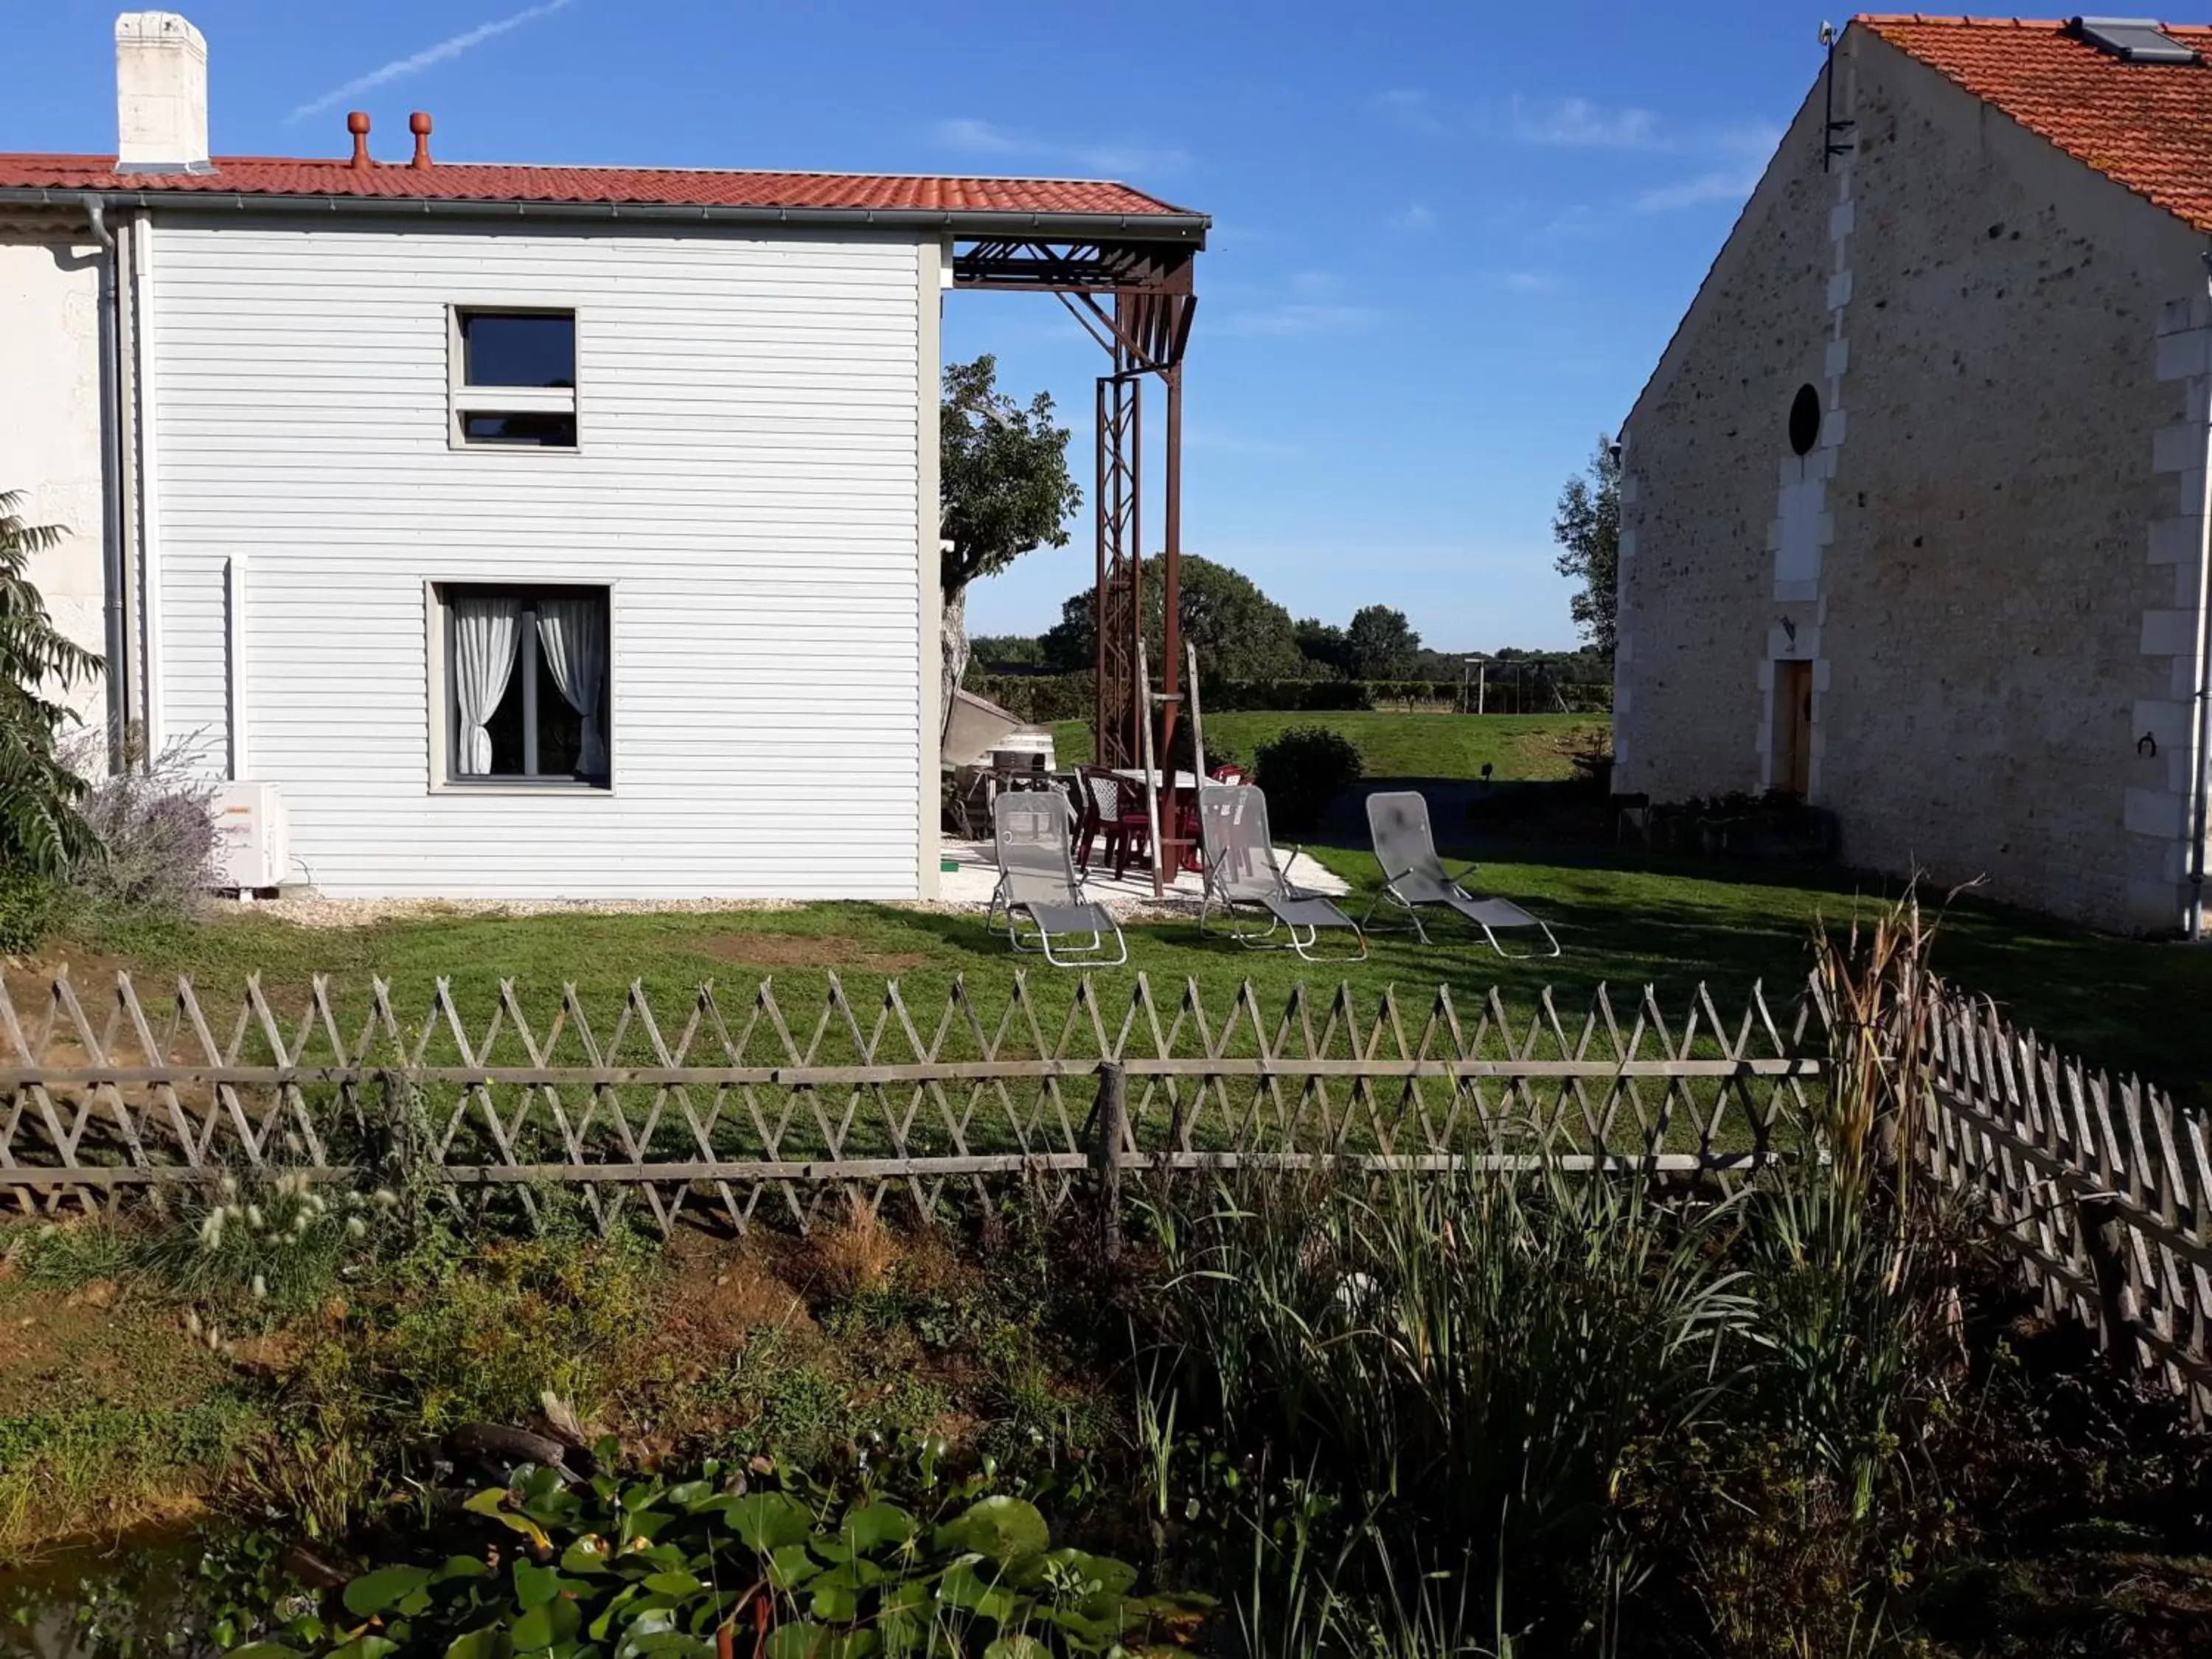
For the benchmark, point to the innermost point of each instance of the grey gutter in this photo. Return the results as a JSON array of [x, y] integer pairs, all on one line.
[[1178, 227], [111, 480]]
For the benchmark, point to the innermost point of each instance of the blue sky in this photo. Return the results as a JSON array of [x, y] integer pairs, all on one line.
[[1450, 242]]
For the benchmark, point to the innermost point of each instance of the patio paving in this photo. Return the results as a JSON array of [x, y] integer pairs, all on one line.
[[1130, 895]]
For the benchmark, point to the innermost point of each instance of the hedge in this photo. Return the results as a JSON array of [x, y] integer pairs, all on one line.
[[1041, 699]]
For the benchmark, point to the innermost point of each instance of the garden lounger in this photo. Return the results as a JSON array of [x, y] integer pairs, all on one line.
[[1241, 873], [1414, 877], [1039, 882]]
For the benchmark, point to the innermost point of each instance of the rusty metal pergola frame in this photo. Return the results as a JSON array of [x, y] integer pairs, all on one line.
[[1135, 296]]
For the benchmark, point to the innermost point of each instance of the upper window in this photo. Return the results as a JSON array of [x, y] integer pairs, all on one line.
[[519, 347], [515, 378], [526, 684]]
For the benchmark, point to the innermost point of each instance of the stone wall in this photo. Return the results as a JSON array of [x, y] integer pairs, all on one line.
[[1967, 558]]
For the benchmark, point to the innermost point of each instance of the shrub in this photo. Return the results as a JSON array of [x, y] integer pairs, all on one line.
[[1303, 770], [29, 904], [156, 834]]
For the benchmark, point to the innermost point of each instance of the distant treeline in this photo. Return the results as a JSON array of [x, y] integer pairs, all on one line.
[[1529, 683]]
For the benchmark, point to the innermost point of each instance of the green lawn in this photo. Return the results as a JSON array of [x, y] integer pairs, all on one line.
[[1625, 922], [1402, 745]]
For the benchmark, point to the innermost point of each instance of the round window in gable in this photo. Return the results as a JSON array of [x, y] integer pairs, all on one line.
[[1804, 421]]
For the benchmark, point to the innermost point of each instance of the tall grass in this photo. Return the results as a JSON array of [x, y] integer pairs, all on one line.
[[1477, 1357], [1577, 1412]]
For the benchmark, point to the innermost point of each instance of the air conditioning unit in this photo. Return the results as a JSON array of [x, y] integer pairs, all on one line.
[[252, 847]]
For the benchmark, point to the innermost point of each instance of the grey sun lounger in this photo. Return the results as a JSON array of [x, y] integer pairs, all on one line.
[[1414, 877], [1038, 883], [1242, 873]]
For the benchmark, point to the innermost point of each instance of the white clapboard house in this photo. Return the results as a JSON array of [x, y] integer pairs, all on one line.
[[525, 532]]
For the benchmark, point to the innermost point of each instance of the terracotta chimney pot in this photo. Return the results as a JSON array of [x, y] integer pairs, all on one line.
[[357, 125]]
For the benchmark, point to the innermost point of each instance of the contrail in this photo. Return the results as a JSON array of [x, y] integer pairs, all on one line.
[[400, 67]]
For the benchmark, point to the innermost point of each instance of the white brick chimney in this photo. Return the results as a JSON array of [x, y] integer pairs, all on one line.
[[160, 95]]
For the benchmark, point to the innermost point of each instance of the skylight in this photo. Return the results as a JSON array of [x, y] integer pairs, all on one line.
[[2133, 40]]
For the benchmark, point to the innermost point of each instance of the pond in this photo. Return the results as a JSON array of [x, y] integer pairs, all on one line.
[[189, 1590]]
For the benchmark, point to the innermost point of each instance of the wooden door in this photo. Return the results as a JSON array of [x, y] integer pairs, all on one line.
[[1792, 727]]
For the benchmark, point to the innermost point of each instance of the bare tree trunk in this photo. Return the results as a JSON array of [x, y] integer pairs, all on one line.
[[952, 636]]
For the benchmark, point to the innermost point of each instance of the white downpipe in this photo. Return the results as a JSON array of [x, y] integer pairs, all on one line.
[[235, 660], [149, 481]]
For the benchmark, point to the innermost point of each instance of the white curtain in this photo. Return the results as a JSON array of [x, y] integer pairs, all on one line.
[[572, 635], [486, 631]]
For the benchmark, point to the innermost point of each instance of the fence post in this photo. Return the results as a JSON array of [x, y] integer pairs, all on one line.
[[2103, 1239], [1112, 1116]]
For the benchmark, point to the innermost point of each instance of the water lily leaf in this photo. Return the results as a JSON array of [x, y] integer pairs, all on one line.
[[642, 1495], [790, 1565], [490, 1643], [546, 1626], [801, 1639], [999, 1526], [1103, 1572], [460, 1566], [675, 1582], [585, 1555], [768, 1520], [873, 1526], [832, 1601], [365, 1646], [961, 1587], [648, 1523], [383, 1590], [534, 1586], [492, 1505], [1016, 1647]]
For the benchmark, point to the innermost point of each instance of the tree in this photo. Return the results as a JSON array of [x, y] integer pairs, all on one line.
[[1323, 646], [42, 830], [1381, 644], [1587, 529], [1241, 634], [1003, 488]]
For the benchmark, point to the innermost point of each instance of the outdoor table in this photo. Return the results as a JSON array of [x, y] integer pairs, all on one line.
[[1182, 834]]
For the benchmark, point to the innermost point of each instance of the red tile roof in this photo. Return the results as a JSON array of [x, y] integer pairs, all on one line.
[[857, 193], [2146, 125]]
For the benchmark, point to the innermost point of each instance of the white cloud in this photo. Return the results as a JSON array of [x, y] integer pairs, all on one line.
[[1726, 185], [981, 136], [1577, 123], [1414, 216], [445, 51], [1529, 281], [985, 139], [1306, 302], [1296, 319], [1410, 110]]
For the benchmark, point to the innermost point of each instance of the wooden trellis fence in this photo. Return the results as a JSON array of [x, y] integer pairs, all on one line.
[[2099, 1185], [107, 1098]]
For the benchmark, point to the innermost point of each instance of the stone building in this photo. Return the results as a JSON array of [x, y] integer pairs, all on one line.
[[1914, 506]]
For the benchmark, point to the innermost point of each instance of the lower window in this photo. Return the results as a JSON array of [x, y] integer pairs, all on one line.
[[526, 684]]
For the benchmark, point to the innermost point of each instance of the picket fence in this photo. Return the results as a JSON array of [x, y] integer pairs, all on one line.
[[108, 1098]]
